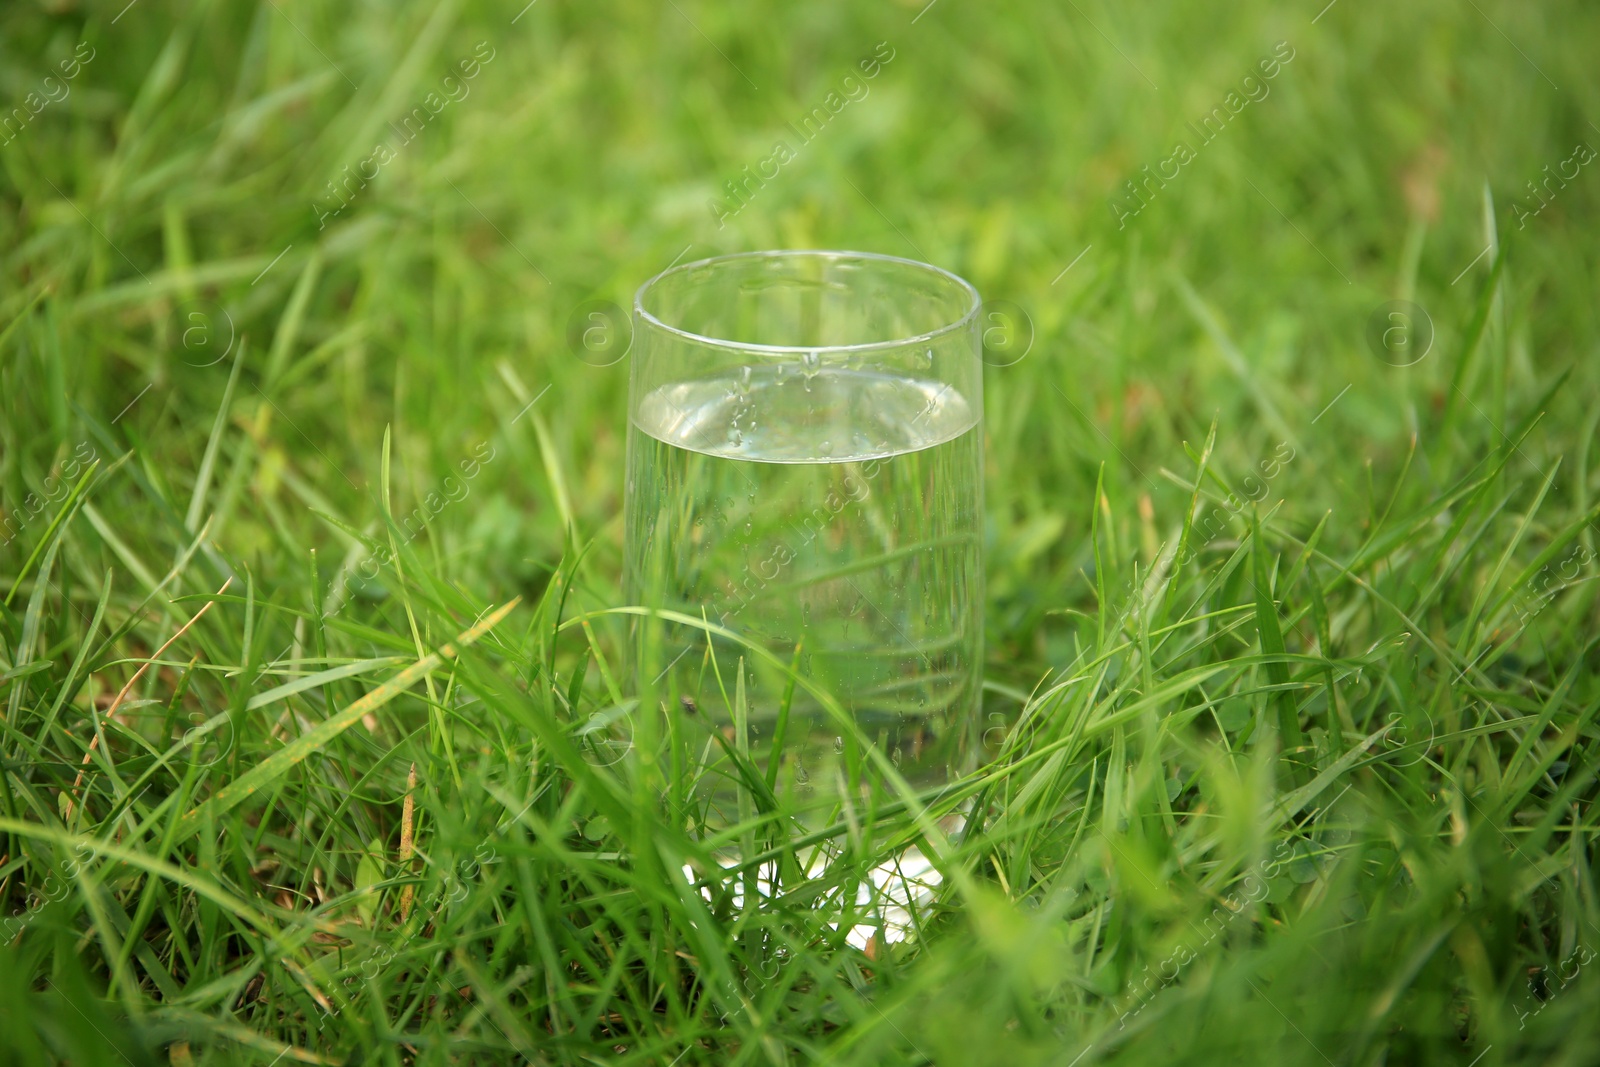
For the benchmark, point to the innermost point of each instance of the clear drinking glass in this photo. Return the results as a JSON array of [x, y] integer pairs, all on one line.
[[805, 473]]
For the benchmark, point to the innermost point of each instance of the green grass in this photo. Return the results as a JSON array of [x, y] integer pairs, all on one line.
[[1307, 777]]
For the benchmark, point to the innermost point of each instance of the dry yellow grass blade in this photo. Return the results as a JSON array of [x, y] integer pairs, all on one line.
[[277, 764]]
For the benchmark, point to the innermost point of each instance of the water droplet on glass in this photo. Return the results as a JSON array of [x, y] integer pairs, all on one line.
[[927, 357], [744, 379], [827, 448], [810, 362]]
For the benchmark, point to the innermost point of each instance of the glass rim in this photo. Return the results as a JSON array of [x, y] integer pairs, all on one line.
[[974, 302]]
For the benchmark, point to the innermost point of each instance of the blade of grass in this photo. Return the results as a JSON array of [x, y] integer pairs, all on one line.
[[280, 762]]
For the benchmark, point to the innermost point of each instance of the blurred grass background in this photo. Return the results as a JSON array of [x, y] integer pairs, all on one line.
[[273, 393]]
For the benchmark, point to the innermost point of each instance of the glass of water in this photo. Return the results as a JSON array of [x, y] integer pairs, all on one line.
[[805, 474]]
